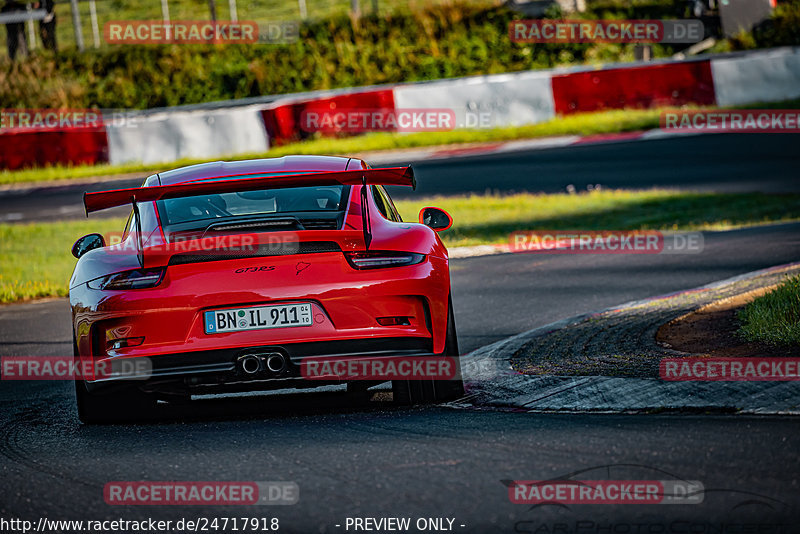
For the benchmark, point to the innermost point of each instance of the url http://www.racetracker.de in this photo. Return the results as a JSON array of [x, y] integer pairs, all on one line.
[[197, 524]]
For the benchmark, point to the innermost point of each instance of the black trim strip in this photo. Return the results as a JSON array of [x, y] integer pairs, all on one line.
[[264, 250]]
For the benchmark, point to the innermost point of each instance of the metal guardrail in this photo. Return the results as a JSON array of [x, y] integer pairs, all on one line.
[[22, 16]]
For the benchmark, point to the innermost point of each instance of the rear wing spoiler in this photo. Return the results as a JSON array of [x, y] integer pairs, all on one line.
[[224, 184], [109, 199]]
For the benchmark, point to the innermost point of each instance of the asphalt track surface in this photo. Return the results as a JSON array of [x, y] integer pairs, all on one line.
[[354, 460], [729, 162]]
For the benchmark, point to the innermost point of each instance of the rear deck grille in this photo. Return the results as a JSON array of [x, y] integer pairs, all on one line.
[[273, 225], [319, 224], [265, 250]]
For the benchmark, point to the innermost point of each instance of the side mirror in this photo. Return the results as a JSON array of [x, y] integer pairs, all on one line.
[[436, 218], [87, 243]]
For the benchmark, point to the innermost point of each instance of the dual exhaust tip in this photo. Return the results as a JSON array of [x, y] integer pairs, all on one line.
[[270, 364]]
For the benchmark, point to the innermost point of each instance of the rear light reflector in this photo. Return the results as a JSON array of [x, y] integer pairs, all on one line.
[[394, 321], [125, 342]]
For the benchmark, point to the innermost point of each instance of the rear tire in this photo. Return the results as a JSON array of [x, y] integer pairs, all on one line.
[[114, 406], [411, 392], [118, 406], [359, 392]]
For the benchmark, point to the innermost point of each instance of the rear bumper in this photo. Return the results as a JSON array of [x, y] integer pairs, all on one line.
[[218, 371], [168, 321]]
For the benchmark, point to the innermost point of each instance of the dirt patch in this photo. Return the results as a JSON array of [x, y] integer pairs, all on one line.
[[712, 331]]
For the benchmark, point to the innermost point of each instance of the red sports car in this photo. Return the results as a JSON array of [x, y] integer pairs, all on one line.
[[229, 275]]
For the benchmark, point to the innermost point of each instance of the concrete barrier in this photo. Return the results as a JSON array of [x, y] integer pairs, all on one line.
[[172, 135], [485, 101], [763, 76]]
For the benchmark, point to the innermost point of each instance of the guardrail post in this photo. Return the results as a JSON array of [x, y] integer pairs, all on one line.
[[31, 29], [232, 8], [165, 11], [95, 25], [76, 23]]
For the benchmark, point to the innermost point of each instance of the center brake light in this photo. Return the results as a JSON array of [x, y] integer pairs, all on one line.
[[377, 260]]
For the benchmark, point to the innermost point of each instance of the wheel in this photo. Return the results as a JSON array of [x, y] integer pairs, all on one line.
[[118, 406], [448, 390], [410, 392], [359, 392], [113, 406]]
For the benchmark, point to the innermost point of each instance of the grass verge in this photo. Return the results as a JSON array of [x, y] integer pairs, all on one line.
[[36, 261], [774, 318], [579, 124]]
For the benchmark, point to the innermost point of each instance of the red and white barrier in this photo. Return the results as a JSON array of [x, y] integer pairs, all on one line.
[[42, 148], [511, 99], [667, 84], [282, 118]]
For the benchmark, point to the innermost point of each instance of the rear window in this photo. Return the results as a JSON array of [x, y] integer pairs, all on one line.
[[261, 202]]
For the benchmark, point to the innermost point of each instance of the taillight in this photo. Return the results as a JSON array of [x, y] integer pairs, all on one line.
[[136, 279], [376, 260]]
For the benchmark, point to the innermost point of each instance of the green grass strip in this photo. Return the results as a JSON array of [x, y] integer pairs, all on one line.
[[774, 317], [35, 259]]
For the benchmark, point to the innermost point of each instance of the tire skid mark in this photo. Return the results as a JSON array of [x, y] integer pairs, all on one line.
[[12, 444]]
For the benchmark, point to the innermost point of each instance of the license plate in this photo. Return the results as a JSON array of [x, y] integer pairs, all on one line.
[[257, 318]]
